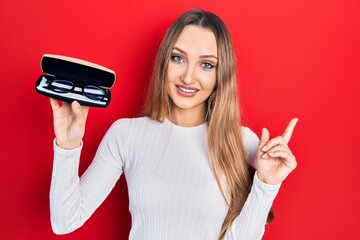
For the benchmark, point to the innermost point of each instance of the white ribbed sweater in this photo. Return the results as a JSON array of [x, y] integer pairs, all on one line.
[[172, 190]]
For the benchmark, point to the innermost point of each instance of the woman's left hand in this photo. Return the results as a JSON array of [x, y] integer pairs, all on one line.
[[275, 161]]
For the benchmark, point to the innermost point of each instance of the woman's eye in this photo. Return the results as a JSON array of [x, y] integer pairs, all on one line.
[[207, 65], [177, 58]]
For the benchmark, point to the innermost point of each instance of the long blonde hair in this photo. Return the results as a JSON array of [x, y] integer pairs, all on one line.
[[225, 144]]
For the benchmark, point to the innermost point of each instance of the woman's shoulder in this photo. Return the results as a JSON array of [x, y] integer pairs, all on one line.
[[122, 127], [127, 123]]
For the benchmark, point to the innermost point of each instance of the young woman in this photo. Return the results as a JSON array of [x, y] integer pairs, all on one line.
[[187, 161]]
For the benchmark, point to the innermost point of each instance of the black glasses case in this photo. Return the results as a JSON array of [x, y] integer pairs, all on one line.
[[81, 73]]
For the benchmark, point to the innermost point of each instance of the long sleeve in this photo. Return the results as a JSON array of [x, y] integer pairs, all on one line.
[[73, 199], [250, 224]]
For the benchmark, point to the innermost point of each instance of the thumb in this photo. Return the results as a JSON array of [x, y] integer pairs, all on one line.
[[76, 108], [265, 136]]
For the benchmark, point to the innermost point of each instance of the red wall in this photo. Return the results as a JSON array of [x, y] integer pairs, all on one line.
[[296, 58]]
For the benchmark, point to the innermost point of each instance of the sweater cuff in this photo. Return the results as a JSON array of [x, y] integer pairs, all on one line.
[[66, 153], [66, 162], [264, 186]]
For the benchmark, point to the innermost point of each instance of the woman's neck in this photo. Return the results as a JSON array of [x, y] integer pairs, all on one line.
[[187, 117]]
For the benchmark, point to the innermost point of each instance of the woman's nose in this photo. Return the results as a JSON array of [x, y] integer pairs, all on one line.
[[188, 76]]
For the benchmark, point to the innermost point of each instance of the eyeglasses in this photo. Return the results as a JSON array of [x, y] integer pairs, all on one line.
[[65, 86]]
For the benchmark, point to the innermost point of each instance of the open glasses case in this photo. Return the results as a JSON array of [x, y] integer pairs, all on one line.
[[68, 79]]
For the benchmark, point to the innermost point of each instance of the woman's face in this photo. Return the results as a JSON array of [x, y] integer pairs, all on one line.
[[191, 74]]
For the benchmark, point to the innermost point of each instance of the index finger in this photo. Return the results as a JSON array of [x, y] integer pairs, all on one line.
[[289, 130]]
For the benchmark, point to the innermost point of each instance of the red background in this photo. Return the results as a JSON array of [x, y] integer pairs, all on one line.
[[295, 58]]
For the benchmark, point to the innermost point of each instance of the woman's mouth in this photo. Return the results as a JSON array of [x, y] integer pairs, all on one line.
[[186, 91]]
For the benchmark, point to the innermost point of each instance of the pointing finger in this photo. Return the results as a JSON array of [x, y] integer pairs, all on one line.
[[289, 129]]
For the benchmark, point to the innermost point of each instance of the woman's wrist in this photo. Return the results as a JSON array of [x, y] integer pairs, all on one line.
[[266, 180]]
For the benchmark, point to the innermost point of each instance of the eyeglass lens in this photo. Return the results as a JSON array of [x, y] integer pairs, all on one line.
[[89, 91], [94, 92], [61, 86]]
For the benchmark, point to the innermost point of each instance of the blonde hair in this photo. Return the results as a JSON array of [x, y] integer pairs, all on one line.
[[225, 144]]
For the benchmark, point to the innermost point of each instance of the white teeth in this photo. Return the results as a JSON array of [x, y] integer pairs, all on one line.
[[186, 90]]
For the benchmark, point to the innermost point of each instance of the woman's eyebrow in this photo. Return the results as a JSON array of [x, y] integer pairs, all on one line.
[[202, 56]]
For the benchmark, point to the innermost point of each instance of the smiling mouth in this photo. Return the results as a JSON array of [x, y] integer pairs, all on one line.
[[187, 90]]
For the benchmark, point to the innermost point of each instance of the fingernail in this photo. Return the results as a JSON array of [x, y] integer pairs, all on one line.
[[264, 155], [271, 154], [76, 105], [264, 148]]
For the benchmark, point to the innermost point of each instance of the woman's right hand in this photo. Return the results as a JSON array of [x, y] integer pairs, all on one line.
[[69, 123]]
